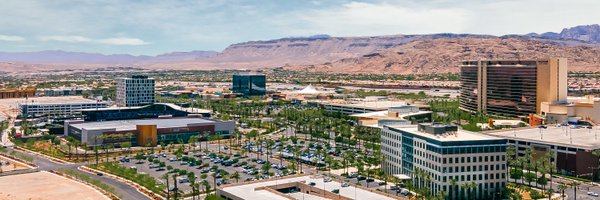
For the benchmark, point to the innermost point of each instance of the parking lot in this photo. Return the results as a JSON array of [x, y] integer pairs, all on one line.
[[199, 163], [205, 163]]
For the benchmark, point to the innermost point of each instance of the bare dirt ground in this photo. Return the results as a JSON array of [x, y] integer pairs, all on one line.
[[14, 165], [45, 185]]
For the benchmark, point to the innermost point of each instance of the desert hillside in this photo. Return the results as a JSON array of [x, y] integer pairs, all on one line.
[[442, 55]]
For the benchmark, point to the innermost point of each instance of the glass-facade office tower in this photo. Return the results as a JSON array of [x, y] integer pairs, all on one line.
[[435, 155], [249, 84], [136, 90], [512, 87]]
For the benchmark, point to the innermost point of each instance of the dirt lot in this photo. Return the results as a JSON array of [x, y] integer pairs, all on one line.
[[45, 185], [13, 164]]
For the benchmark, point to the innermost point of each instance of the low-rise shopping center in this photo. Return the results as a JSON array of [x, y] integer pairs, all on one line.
[[147, 131]]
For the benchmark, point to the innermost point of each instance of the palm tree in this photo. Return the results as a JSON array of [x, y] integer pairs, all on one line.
[[562, 187], [218, 136], [236, 176], [574, 184], [214, 176], [385, 178], [441, 195], [192, 178], [96, 152], [107, 148], [510, 153], [206, 186], [469, 186], [280, 149], [270, 144], [296, 151], [550, 191], [175, 189], [69, 144], [417, 177], [329, 160], [166, 177], [76, 145], [85, 145], [453, 191]]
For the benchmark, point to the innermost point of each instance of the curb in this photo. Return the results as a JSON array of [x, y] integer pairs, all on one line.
[[110, 195], [53, 159], [146, 192]]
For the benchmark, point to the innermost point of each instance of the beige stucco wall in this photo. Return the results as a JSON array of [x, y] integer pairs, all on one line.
[[551, 81]]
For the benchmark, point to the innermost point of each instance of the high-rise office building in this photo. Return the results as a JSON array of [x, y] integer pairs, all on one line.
[[435, 155], [512, 87], [136, 90], [249, 84]]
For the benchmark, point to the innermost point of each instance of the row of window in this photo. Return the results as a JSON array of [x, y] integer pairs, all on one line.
[[473, 168]]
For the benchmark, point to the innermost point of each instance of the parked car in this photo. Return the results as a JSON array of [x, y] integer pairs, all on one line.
[[592, 194], [100, 174], [345, 184], [183, 180], [326, 180], [404, 192]]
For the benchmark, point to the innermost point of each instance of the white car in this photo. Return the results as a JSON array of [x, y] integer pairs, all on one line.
[[592, 194]]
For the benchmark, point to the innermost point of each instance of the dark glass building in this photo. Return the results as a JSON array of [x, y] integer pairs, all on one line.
[[511, 87], [141, 112], [249, 84]]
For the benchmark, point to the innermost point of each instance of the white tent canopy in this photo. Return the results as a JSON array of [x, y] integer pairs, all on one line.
[[309, 90]]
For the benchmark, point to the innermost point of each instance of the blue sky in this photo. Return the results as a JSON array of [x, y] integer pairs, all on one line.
[[153, 27]]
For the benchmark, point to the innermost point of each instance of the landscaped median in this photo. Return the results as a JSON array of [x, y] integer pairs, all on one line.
[[96, 184], [53, 159], [17, 156], [142, 182]]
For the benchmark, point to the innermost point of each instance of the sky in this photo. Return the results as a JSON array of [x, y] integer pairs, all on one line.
[[151, 27]]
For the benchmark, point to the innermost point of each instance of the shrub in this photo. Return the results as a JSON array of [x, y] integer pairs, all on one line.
[[144, 180]]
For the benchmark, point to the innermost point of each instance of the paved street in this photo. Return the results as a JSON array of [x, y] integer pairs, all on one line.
[[121, 189]]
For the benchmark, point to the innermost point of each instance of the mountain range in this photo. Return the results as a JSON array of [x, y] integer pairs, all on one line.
[[397, 54]]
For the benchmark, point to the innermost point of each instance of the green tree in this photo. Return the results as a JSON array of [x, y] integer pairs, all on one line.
[[166, 177]]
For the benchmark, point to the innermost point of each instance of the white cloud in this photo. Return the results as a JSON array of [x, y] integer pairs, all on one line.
[[123, 41], [66, 38], [82, 39], [11, 38], [358, 18]]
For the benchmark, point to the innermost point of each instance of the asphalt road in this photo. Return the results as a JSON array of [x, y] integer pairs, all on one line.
[[121, 189]]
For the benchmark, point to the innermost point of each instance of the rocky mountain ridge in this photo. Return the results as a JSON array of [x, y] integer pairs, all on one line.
[[376, 54]]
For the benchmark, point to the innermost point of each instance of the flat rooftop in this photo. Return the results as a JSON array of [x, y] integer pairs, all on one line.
[[384, 114], [48, 100], [124, 125], [374, 105], [176, 107], [9, 106], [460, 135], [562, 136], [247, 191]]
